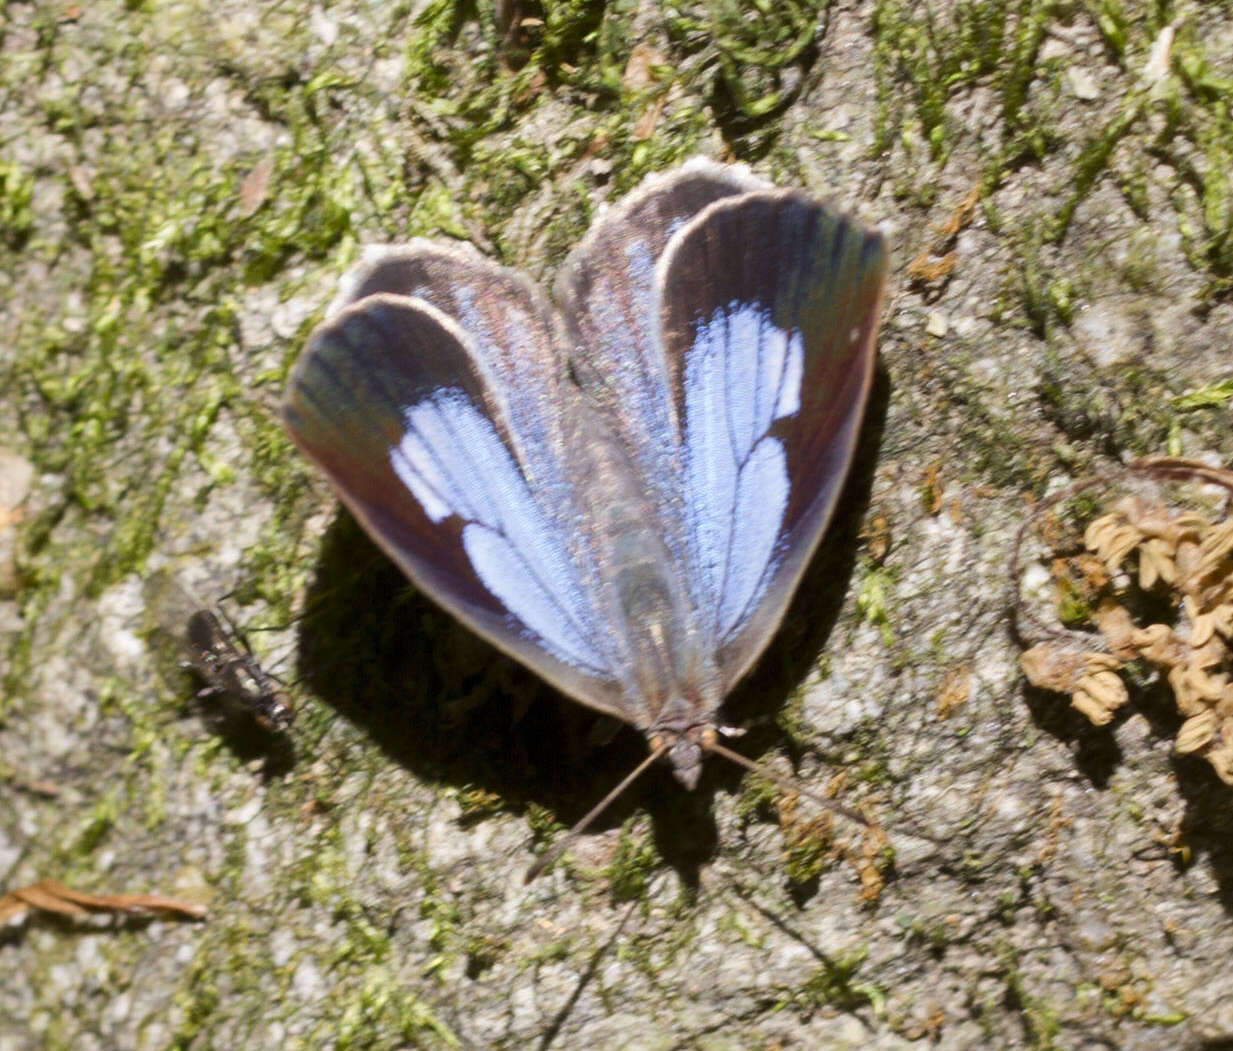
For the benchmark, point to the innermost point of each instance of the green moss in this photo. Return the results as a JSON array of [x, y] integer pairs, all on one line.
[[16, 211], [98, 824], [791, 716], [196, 1002], [753, 48], [1197, 141], [475, 804], [633, 863], [1040, 1019], [1212, 396], [1093, 162], [933, 932], [833, 985], [873, 600], [1072, 605], [923, 59], [807, 854]]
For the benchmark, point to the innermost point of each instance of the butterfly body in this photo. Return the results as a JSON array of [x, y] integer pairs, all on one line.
[[621, 490], [669, 687]]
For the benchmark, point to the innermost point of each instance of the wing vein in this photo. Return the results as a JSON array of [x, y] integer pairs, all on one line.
[[534, 560]]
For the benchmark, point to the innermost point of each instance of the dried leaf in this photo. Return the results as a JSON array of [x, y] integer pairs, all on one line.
[[1094, 572], [1183, 557], [961, 216], [954, 692], [1224, 706], [255, 185], [1187, 558], [1156, 522], [1157, 643], [1221, 758], [12, 911], [1111, 539], [931, 488], [639, 67], [1196, 732], [1202, 625], [639, 76], [870, 863], [1202, 628], [1116, 625], [1099, 693], [1095, 662], [927, 268], [1211, 654], [877, 536], [1050, 667], [1217, 542], [1156, 563], [52, 896], [1096, 712], [1193, 689], [1222, 620], [1105, 687]]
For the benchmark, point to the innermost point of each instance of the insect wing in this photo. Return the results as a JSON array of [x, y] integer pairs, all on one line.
[[440, 433], [208, 645], [606, 294], [769, 305]]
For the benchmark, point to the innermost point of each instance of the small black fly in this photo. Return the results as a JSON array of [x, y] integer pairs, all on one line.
[[232, 671]]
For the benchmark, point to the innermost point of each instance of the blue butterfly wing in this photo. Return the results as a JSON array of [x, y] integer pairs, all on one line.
[[433, 402], [605, 291], [708, 377], [768, 304]]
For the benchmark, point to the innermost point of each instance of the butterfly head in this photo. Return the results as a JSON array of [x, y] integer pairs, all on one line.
[[684, 747]]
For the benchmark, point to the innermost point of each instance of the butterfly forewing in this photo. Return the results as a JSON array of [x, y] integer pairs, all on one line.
[[768, 304], [397, 404]]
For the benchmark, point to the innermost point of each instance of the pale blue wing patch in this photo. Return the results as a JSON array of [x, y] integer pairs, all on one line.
[[510, 330], [454, 463], [420, 436], [741, 375], [607, 294], [768, 306]]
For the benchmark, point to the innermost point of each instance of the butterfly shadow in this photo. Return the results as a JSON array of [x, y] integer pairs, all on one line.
[[451, 708]]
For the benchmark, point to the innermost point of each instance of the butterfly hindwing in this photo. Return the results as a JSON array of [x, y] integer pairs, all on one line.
[[447, 467], [605, 292], [768, 304]]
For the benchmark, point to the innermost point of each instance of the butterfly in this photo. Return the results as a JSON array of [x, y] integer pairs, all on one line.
[[620, 486]]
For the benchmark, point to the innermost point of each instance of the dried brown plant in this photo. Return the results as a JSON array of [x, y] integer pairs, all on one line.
[[1148, 547]]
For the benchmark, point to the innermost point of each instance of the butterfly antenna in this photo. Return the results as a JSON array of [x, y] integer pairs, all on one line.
[[558, 848], [789, 784]]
